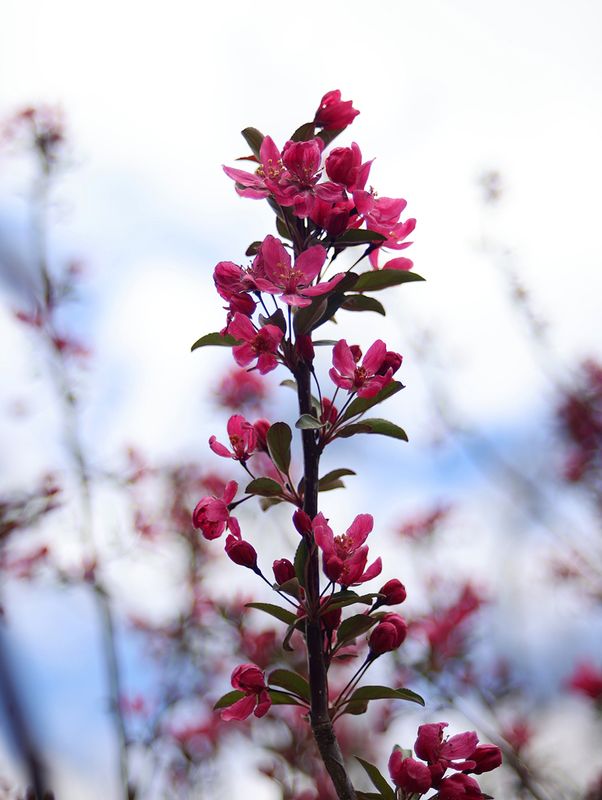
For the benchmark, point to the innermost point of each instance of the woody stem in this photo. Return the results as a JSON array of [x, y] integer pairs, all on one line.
[[321, 723]]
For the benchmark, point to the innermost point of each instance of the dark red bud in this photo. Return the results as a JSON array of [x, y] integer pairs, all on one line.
[[283, 570], [302, 522], [394, 592], [329, 411], [241, 552], [487, 756], [305, 348], [388, 635]]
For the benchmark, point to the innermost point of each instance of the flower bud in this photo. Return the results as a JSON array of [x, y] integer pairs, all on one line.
[[305, 348], [408, 774], [241, 552], [302, 522], [394, 592], [391, 361], [487, 757], [329, 411], [283, 570], [331, 619], [334, 114], [388, 635], [356, 352]]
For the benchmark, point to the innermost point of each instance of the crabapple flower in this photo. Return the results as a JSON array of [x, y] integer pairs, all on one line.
[[344, 557], [443, 753], [382, 216], [267, 176], [344, 166], [259, 344], [388, 635], [408, 774], [243, 440], [331, 217], [334, 114], [459, 787], [249, 679], [365, 379], [211, 514], [241, 389], [487, 757], [303, 162], [292, 283]]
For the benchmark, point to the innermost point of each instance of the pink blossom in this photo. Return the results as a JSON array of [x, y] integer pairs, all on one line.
[[382, 215], [211, 514], [365, 378], [344, 557], [243, 440], [393, 592], [487, 757], [267, 176], [408, 774], [259, 344], [344, 166], [293, 283], [283, 570], [334, 114], [249, 679], [303, 162], [459, 787], [331, 217], [241, 389], [443, 753]]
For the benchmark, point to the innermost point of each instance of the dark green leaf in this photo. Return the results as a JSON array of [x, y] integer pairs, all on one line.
[[324, 342], [361, 404], [357, 236], [252, 249], [300, 561], [279, 445], [290, 384], [274, 611], [383, 278], [346, 598], [253, 138], [297, 626], [306, 319], [333, 475], [291, 681], [360, 707], [385, 693], [381, 426], [359, 302], [215, 339], [307, 422], [283, 229], [229, 699], [282, 699], [377, 779], [268, 502], [329, 136], [304, 132], [277, 318], [264, 487], [336, 484], [354, 626]]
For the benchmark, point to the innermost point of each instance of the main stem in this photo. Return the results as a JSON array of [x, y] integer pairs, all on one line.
[[321, 723]]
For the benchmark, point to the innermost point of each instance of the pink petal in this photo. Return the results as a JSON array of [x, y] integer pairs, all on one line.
[[247, 179], [342, 358], [322, 288], [375, 356], [338, 380], [276, 260], [242, 328], [373, 570], [360, 528], [243, 354], [399, 263], [310, 262], [296, 300], [264, 701], [267, 151], [239, 710], [218, 448]]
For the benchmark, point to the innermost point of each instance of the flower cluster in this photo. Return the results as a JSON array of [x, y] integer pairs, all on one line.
[[461, 752]]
